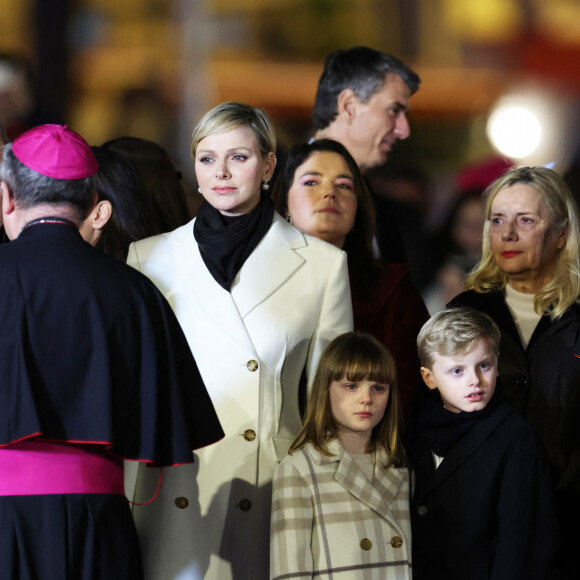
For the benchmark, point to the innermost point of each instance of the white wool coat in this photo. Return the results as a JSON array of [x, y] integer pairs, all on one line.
[[290, 298]]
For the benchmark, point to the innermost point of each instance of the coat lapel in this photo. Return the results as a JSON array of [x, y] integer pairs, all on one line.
[[194, 282], [465, 449], [378, 495], [271, 263]]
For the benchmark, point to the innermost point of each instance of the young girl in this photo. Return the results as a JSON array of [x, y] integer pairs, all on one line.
[[340, 505]]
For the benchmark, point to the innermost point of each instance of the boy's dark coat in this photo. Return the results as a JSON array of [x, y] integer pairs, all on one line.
[[487, 511]]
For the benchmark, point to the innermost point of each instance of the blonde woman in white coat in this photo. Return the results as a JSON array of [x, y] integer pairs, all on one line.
[[258, 302], [340, 502]]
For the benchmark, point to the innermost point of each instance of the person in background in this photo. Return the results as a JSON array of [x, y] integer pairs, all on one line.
[[161, 182], [482, 503], [457, 241], [528, 282], [94, 368], [121, 215], [458, 249], [18, 107], [362, 101], [340, 500], [408, 189], [320, 189], [258, 301]]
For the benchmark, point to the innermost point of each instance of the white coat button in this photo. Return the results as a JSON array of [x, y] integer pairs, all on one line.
[[252, 365], [396, 541], [249, 434], [181, 502]]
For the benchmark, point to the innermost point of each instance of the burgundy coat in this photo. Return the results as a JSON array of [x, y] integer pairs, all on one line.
[[394, 313]]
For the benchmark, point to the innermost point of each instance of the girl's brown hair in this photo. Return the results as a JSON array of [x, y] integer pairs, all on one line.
[[357, 357]]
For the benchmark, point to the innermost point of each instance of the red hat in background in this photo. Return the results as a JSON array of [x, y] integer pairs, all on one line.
[[55, 151], [482, 173]]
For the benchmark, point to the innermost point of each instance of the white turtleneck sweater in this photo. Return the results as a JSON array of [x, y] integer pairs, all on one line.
[[522, 310]]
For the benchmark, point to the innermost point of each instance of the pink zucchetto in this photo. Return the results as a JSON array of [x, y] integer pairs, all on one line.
[[55, 151]]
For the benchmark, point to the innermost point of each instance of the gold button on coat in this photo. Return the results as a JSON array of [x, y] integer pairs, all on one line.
[[245, 505], [181, 502], [252, 365], [366, 544], [396, 541], [249, 434]]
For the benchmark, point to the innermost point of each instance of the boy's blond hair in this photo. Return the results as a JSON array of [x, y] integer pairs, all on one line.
[[455, 331]]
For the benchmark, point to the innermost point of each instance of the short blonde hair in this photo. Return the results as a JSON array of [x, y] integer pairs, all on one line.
[[564, 287], [357, 357], [231, 115], [455, 331]]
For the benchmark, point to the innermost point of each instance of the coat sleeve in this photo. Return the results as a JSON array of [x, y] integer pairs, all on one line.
[[527, 525], [335, 315], [291, 524]]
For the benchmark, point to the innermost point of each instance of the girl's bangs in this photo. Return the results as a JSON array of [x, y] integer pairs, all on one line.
[[372, 368]]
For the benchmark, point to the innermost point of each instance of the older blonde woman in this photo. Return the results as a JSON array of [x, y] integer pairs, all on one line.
[[528, 282], [258, 301]]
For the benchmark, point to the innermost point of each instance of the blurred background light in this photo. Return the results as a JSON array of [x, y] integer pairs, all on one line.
[[514, 130]]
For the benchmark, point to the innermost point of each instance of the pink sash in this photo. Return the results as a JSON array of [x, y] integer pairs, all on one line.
[[35, 467]]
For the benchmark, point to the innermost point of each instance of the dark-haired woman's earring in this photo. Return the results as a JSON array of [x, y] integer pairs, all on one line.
[[199, 190], [289, 219], [265, 185]]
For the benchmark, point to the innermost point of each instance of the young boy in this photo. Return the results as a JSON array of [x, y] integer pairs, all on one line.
[[482, 505]]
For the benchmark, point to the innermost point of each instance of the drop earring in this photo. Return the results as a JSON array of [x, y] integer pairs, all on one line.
[[265, 185], [199, 190], [289, 219]]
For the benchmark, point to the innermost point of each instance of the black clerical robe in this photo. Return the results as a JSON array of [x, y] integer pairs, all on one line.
[[90, 352]]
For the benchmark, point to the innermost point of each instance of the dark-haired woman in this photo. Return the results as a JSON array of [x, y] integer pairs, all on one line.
[[121, 215], [321, 191], [162, 186]]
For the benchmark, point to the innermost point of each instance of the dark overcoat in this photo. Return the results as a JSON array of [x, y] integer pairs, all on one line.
[[487, 511], [90, 353], [542, 383]]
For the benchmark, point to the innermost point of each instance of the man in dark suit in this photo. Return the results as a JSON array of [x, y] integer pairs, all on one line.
[[94, 369], [362, 101]]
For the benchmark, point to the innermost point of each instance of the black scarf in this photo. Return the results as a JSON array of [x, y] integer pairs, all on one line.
[[225, 242], [441, 429]]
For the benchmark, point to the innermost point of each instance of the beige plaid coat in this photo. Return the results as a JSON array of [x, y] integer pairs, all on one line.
[[329, 521]]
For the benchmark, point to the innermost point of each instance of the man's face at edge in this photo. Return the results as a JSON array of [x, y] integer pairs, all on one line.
[[373, 128]]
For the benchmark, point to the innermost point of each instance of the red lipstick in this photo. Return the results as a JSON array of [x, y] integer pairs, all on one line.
[[511, 254]]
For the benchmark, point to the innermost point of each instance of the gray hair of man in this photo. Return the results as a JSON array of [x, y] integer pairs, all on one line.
[[29, 188], [361, 69]]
